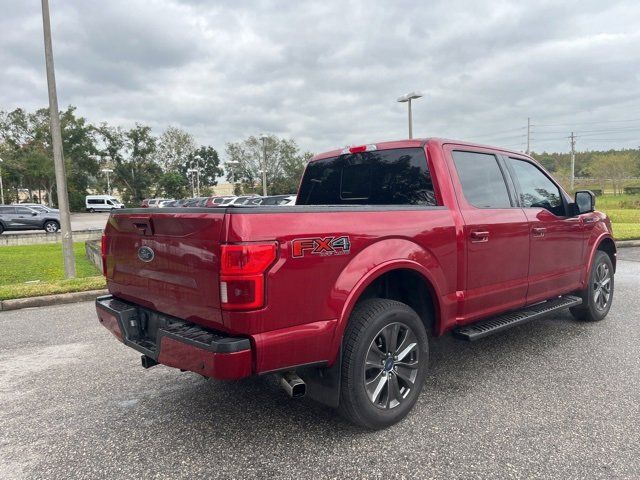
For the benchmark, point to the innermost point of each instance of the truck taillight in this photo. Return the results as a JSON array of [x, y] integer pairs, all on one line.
[[242, 271], [103, 253]]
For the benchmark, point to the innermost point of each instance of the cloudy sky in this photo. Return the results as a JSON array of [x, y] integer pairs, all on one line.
[[328, 73]]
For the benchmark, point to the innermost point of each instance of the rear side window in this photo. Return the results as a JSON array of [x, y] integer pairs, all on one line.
[[7, 210], [386, 177], [95, 201], [483, 184], [536, 189]]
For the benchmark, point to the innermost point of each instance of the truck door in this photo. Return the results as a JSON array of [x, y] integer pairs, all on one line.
[[557, 240], [495, 236]]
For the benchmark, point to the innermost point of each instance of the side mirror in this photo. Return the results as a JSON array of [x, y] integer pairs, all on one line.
[[585, 201], [34, 214]]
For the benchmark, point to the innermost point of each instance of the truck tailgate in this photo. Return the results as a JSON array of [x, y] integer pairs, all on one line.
[[168, 261]]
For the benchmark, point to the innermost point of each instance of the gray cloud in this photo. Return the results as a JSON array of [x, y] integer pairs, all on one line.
[[328, 73]]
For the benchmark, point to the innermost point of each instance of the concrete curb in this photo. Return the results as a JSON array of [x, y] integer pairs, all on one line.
[[628, 243], [36, 238], [47, 300]]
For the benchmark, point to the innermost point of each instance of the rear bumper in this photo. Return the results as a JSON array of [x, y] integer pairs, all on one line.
[[174, 342]]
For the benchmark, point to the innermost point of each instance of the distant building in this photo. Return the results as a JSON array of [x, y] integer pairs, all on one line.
[[225, 188]]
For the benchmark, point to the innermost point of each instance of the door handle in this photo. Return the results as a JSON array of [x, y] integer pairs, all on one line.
[[538, 231], [479, 236]]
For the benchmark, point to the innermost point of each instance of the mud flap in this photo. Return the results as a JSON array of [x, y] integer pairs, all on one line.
[[323, 383]]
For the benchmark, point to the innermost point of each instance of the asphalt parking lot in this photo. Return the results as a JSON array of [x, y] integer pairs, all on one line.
[[551, 399]]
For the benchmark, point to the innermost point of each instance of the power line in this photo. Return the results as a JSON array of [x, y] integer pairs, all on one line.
[[584, 123]]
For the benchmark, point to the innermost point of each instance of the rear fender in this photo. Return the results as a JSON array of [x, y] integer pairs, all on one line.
[[367, 266]]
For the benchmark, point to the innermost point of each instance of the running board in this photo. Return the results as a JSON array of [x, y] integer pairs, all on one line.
[[497, 324]]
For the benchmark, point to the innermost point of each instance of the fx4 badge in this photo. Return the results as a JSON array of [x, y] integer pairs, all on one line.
[[321, 246]]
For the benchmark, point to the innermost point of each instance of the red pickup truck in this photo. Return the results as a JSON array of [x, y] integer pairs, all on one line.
[[388, 245]]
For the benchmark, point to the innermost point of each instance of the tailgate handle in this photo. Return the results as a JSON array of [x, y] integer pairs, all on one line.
[[144, 228]]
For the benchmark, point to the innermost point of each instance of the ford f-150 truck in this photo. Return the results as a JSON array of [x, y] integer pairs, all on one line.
[[388, 245]]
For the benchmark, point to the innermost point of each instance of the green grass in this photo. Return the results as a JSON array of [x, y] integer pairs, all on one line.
[[626, 231], [23, 290], [609, 202], [27, 263], [42, 267], [624, 212]]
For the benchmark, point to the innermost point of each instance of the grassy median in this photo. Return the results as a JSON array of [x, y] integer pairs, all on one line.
[[34, 270], [624, 212]]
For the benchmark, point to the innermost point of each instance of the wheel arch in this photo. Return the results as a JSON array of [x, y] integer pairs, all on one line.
[[608, 246], [362, 276]]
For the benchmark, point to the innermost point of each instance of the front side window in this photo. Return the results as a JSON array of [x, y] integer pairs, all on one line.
[[24, 211], [385, 177], [536, 189], [483, 184]]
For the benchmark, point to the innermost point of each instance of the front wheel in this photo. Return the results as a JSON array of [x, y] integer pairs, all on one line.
[[51, 227], [384, 364], [92, 210], [598, 296], [1, 229]]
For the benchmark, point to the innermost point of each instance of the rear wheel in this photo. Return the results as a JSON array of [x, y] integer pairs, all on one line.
[[51, 226], [384, 364], [597, 298], [92, 210], [1, 228]]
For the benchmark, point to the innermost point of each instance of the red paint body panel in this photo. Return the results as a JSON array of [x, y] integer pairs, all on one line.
[[309, 298], [300, 345], [223, 366], [110, 322]]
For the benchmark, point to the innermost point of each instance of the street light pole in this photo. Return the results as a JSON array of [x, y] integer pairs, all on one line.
[[107, 171], [264, 165], [407, 99], [56, 141], [193, 171], [197, 157], [1, 186]]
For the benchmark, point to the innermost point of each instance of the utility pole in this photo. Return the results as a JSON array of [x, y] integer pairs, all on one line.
[[264, 165], [1, 187], [573, 160], [528, 135], [56, 141]]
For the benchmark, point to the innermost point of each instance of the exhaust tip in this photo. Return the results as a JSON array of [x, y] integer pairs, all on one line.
[[293, 385]]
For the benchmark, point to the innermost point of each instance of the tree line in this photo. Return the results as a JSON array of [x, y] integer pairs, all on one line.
[[607, 169], [143, 165]]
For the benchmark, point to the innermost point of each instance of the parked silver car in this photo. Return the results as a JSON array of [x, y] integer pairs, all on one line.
[[16, 217]]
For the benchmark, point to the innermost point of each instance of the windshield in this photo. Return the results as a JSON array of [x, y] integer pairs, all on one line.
[[386, 177]]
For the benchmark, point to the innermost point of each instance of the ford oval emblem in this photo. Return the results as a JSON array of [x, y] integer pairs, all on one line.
[[146, 254]]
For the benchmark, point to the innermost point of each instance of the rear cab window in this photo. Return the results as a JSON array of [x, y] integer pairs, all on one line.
[[382, 177], [483, 182]]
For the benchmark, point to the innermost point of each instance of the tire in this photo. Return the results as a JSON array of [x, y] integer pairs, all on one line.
[[378, 395], [92, 210], [1, 229], [598, 297], [51, 226]]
